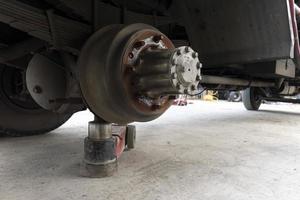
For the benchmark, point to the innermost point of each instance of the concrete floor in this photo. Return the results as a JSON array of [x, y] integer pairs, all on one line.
[[205, 151]]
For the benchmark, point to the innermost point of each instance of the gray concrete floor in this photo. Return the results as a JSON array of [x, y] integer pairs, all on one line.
[[206, 150]]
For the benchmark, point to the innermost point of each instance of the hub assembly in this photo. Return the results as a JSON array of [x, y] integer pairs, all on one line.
[[134, 73]]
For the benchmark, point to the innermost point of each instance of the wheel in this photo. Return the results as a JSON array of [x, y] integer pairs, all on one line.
[[235, 97], [19, 114], [130, 136], [251, 98]]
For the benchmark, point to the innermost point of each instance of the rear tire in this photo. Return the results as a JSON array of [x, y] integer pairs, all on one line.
[[251, 98], [19, 114]]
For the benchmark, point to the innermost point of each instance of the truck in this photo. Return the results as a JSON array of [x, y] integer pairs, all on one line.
[[127, 60]]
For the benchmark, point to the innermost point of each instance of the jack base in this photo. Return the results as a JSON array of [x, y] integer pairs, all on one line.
[[98, 171]]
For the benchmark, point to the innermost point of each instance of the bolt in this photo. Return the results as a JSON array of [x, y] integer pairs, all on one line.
[[37, 89], [157, 38], [139, 44], [198, 65], [178, 87], [187, 49], [185, 91], [198, 78], [178, 53], [195, 55], [193, 87]]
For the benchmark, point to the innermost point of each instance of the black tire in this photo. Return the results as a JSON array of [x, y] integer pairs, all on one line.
[[19, 114], [251, 98]]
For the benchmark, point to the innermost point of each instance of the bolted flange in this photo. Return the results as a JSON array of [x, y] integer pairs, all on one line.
[[186, 71], [169, 72], [133, 73]]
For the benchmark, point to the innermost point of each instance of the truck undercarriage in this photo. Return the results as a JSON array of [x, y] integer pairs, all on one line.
[[128, 60]]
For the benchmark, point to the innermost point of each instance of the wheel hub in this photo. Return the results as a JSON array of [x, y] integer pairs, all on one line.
[[133, 73]]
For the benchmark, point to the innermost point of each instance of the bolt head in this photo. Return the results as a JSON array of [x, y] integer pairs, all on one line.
[[193, 87], [187, 49]]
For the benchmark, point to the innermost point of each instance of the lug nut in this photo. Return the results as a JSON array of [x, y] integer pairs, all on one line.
[[198, 65], [198, 78], [187, 49], [193, 87], [195, 55]]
